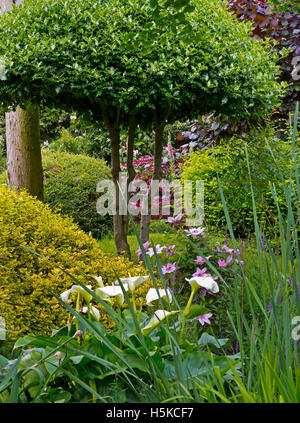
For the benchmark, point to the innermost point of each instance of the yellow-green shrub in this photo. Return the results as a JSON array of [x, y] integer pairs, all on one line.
[[25, 279]]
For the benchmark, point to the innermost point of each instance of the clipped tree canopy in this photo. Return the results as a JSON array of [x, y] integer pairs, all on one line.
[[136, 55]]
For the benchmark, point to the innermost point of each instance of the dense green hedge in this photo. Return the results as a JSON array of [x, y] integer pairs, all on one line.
[[70, 185], [70, 182]]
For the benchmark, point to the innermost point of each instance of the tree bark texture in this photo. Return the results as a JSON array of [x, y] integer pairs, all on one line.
[[24, 162], [119, 221], [160, 124]]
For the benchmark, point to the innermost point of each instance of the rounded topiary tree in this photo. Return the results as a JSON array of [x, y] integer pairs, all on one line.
[[135, 63]]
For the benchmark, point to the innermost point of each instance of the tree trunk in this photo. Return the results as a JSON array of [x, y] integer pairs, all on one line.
[[120, 235], [130, 169], [113, 127], [6, 5], [157, 172], [24, 162]]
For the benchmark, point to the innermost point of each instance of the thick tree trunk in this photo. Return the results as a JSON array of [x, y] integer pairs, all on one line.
[[8, 4], [120, 234], [120, 227], [160, 124], [24, 162], [5, 5]]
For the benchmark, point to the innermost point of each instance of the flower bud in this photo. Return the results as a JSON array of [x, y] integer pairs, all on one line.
[[58, 356]]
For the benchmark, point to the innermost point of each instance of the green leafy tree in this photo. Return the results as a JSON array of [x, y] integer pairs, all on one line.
[[24, 164], [136, 63]]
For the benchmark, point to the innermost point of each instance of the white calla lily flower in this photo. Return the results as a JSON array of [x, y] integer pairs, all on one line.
[[153, 295], [78, 290], [159, 315], [99, 281], [112, 291], [94, 312], [134, 282], [206, 282]]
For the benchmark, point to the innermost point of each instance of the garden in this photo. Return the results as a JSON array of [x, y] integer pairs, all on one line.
[[149, 201]]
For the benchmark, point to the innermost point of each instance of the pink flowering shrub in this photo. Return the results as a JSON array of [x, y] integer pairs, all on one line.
[[171, 169]]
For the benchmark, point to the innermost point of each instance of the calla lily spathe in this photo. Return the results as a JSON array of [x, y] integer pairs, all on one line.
[[112, 291], [206, 282], [153, 295], [99, 281], [134, 282], [78, 290], [159, 315], [94, 312]]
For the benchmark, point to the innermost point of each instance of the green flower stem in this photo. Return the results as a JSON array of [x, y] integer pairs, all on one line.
[[133, 300], [77, 308], [186, 312]]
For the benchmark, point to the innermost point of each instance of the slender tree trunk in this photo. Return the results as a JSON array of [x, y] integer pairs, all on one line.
[[120, 235], [24, 162], [160, 124], [130, 169], [113, 127]]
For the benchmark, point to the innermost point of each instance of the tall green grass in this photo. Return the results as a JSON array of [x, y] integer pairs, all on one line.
[[266, 298]]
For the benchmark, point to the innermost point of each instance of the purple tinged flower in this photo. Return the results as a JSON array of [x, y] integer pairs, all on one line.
[[158, 249], [237, 347], [145, 245], [169, 250], [200, 272], [269, 308], [262, 244], [194, 231], [241, 262], [203, 292], [204, 319], [169, 268], [228, 250], [291, 282], [175, 219], [200, 260], [222, 263]]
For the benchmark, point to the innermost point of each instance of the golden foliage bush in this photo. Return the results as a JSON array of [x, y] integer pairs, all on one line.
[[25, 279]]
